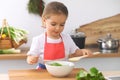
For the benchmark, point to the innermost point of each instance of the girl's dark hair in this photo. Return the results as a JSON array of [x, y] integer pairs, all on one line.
[[55, 8]]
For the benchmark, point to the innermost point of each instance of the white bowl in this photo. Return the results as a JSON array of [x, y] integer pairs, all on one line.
[[59, 71]]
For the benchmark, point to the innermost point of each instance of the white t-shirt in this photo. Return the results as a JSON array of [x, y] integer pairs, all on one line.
[[37, 46]]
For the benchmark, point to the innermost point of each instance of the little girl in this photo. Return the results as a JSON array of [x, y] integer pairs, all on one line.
[[53, 44]]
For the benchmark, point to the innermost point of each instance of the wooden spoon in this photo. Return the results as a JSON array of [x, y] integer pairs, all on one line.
[[73, 59]]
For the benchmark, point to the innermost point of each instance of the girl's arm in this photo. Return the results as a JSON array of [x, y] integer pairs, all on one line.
[[33, 53]]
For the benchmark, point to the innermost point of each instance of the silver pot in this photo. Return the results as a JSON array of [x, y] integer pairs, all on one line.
[[108, 44]]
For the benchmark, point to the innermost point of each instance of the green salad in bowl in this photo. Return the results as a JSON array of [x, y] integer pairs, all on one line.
[[55, 64], [59, 68]]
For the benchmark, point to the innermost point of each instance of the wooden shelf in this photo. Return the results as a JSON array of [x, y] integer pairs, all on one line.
[[21, 55], [13, 56]]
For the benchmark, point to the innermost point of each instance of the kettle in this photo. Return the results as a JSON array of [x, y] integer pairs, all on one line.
[[108, 44]]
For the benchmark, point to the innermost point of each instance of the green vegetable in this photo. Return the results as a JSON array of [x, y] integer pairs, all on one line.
[[15, 34], [36, 6], [93, 74], [9, 51], [93, 71], [55, 64]]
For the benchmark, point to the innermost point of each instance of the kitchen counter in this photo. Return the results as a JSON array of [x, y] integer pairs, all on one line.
[[33, 74], [23, 55], [94, 48]]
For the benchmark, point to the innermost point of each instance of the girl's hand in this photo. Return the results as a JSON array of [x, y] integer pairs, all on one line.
[[32, 59], [86, 52]]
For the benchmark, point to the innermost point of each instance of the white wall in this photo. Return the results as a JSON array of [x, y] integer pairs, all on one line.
[[80, 12]]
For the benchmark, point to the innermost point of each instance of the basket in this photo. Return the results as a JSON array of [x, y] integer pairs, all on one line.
[[8, 43]]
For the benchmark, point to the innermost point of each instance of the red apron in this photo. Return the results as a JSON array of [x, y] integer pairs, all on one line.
[[53, 51]]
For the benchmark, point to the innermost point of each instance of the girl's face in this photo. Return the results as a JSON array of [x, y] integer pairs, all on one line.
[[55, 25]]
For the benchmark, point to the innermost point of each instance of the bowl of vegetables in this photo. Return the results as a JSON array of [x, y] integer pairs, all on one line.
[[59, 68]]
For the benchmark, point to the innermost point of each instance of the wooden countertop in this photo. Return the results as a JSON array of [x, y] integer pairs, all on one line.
[[94, 48], [33, 74], [23, 55]]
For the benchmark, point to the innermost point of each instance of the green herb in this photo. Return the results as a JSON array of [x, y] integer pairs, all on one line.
[[9, 51], [93, 74], [55, 64]]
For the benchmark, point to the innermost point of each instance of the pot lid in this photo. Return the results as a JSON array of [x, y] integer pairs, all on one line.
[[108, 37]]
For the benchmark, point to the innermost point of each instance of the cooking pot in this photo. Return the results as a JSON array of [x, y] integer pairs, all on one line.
[[108, 44], [78, 38]]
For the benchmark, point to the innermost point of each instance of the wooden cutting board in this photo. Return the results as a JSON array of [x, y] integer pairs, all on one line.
[[33, 74], [100, 28]]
